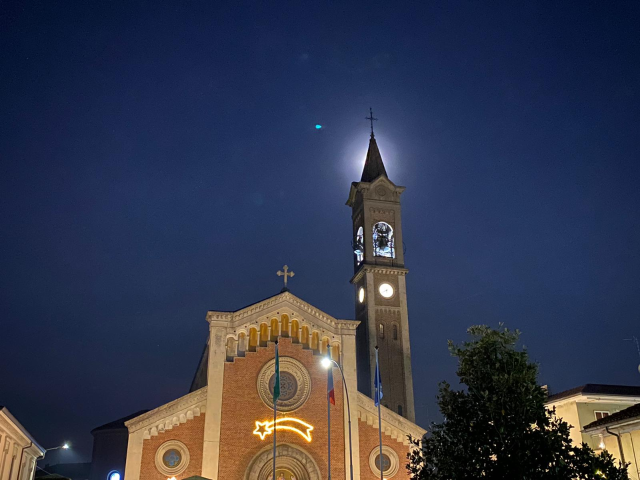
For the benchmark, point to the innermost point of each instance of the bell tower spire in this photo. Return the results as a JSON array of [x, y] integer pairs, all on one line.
[[380, 284], [373, 166]]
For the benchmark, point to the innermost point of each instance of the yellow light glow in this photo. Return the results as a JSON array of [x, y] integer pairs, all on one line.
[[287, 423]]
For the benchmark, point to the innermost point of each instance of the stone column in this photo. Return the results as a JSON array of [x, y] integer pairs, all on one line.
[[213, 411], [348, 359], [372, 327], [134, 455], [4, 447], [32, 469]]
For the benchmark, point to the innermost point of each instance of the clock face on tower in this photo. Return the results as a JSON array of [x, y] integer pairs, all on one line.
[[386, 290]]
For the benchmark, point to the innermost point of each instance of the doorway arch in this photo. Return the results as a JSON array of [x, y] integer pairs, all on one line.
[[290, 458]]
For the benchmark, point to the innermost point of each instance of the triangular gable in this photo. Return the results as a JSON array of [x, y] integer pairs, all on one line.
[[283, 303]]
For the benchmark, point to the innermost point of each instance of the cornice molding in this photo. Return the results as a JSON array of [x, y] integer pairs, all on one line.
[[393, 425], [251, 315], [170, 414], [594, 398], [349, 325], [18, 433], [382, 269]]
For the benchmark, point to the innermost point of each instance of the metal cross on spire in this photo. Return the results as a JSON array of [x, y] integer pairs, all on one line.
[[285, 274], [370, 117]]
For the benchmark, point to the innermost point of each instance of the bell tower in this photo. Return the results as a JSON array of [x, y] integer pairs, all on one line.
[[380, 285]]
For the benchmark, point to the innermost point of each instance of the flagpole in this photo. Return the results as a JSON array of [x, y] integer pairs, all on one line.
[[329, 434], [378, 392], [275, 409]]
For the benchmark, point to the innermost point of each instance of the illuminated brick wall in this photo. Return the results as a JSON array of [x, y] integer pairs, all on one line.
[[242, 406], [190, 433], [369, 441]]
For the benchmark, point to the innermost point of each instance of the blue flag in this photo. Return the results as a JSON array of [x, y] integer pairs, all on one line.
[[377, 383]]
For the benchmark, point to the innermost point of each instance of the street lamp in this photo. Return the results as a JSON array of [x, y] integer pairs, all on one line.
[[327, 363], [64, 446]]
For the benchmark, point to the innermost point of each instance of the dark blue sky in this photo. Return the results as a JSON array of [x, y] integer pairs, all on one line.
[[158, 161]]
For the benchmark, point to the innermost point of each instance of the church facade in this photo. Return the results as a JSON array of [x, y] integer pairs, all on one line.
[[223, 428]]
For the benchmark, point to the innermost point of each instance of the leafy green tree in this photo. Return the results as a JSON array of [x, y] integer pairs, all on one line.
[[498, 427]]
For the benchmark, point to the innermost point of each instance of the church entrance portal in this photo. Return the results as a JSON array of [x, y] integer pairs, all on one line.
[[292, 463]]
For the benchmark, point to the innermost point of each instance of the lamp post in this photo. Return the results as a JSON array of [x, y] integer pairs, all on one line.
[[64, 446], [327, 364]]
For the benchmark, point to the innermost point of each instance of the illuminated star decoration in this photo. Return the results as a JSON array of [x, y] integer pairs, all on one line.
[[287, 423]]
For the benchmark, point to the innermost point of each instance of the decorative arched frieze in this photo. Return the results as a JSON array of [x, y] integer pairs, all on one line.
[[278, 305], [171, 415], [394, 426]]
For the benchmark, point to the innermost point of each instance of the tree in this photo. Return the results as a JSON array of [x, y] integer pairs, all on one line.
[[498, 427]]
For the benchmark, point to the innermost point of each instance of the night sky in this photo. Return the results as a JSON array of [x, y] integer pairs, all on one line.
[[160, 159]]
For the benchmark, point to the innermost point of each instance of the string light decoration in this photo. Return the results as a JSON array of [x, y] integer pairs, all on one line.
[[287, 423]]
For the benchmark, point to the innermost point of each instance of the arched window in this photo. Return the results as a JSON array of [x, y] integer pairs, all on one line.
[[399, 409], [381, 330], [395, 331], [383, 242], [358, 247]]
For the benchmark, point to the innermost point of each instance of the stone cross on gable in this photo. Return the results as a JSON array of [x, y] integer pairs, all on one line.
[[285, 274]]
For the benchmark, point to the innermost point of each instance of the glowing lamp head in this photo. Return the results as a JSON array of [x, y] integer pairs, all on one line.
[[66, 447], [326, 362], [114, 476], [318, 127], [601, 445]]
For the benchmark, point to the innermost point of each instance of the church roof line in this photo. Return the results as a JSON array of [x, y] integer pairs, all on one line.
[[247, 306], [118, 424]]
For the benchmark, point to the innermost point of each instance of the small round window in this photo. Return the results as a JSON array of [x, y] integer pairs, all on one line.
[[390, 461], [172, 458]]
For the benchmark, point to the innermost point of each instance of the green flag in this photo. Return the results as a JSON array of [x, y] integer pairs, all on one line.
[[276, 385]]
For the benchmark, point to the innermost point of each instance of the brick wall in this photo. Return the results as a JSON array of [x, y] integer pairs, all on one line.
[[368, 441], [241, 407], [190, 433]]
